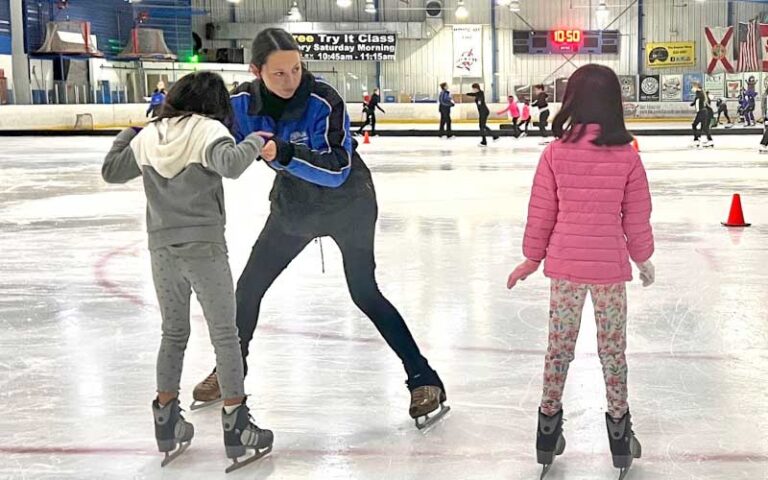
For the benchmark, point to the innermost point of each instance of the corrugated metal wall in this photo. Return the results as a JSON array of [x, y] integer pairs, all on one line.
[[680, 21], [422, 64]]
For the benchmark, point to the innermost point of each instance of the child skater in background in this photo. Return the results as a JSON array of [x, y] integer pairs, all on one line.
[[525, 117], [513, 113], [182, 156], [589, 214]]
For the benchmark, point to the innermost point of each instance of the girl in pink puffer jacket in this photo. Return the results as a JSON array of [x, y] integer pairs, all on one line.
[[589, 214]]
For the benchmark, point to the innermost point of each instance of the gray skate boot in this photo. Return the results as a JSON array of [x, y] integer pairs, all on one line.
[[171, 430], [624, 445], [241, 434], [550, 441]]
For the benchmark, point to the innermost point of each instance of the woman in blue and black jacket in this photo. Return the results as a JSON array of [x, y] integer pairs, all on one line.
[[322, 188]]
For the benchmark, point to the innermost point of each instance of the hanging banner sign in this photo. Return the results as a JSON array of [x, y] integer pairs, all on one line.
[[468, 51], [366, 47]]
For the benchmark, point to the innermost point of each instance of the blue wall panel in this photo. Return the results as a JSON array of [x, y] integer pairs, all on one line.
[[5, 27], [112, 20]]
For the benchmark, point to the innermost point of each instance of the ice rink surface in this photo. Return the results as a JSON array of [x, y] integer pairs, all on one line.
[[79, 327]]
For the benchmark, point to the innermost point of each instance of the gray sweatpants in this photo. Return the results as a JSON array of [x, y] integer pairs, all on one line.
[[204, 268]]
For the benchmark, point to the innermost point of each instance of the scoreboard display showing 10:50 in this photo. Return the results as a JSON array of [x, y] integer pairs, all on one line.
[[566, 41]]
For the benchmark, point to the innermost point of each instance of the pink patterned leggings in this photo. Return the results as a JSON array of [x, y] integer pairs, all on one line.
[[566, 304]]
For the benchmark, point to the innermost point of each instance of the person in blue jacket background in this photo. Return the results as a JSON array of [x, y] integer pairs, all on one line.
[[157, 100], [445, 104], [322, 188]]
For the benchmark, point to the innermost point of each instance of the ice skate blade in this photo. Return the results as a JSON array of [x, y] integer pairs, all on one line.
[[197, 405], [169, 457], [236, 465], [428, 420], [545, 470], [623, 473]]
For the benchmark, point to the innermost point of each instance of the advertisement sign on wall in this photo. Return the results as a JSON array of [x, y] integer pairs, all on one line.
[[360, 46], [672, 88], [670, 54], [650, 88]]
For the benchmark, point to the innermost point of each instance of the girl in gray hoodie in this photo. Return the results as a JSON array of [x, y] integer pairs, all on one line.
[[182, 156]]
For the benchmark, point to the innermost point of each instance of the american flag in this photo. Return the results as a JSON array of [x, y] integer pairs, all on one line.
[[748, 61]]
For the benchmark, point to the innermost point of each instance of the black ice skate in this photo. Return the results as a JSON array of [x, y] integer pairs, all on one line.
[[171, 430], [624, 446], [241, 434], [425, 399], [550, 441]]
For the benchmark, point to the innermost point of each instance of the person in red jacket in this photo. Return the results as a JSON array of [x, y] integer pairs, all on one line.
[[589, 214]]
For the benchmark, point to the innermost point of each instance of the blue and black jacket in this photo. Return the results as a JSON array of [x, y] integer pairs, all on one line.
[[318, 170]]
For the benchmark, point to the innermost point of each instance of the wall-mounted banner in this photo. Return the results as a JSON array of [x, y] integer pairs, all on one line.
[[720, 49], [468, 51], [689, 80], [358, 46], [672, 88], [670, 54], [650, 88], [628, 88], [715, 85], [733, 83]]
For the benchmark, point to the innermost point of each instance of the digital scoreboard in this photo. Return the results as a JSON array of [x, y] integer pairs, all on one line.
[[565, 40]]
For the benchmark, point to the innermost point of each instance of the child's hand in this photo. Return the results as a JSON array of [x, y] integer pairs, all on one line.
[[269, 152], [522, 272], [647, 273]]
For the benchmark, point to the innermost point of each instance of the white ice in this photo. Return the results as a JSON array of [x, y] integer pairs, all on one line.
[[79, 328]]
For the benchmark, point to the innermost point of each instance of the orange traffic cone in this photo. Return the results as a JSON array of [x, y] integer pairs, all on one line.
[[635, 145], [366, 138], [736, 217]]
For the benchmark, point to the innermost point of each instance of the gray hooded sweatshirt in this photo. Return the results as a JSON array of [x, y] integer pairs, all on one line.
[[182, 162]]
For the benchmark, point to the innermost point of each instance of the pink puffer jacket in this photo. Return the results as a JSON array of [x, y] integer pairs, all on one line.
[[589, 212]]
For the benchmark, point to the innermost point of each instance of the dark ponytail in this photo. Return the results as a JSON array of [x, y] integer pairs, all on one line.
[[271, 40]]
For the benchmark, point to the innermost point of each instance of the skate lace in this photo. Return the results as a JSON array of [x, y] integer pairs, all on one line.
[[421, 395], [211, 381]]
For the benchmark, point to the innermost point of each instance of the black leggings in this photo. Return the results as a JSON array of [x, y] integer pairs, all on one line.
[[277, 246], [445, 121], [370, 119], [543, 121], [484, 127], [704, 119], [515, 127]]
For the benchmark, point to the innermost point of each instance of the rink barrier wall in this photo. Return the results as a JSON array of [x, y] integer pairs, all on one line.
[[108, 119]]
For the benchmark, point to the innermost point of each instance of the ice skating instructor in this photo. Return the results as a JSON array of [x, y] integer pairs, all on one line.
[[322, 188]]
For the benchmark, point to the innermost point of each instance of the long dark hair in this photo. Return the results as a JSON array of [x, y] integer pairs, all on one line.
[[593, 95], [201, 93], [271, 40]]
